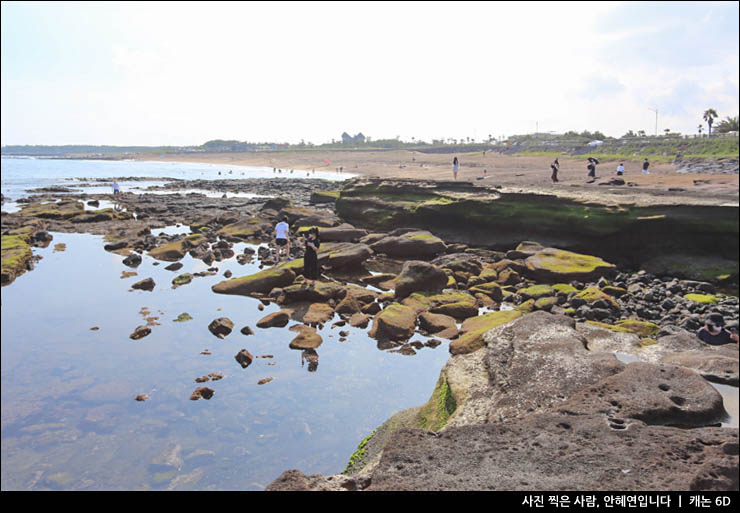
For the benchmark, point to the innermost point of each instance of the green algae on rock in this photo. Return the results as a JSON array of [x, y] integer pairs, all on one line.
[[702, 298], [261, 282], [174, 251], [16, 254], [395, 322], [556, 265], [474, 328]]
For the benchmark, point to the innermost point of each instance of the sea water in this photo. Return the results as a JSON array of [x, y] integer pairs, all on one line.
[[70, 375]]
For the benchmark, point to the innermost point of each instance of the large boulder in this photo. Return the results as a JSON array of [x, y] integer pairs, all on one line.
[[395, 323], [307, 338], [439, 325], [261, 282], [174, 251], [315, 292], [553, 265], [417, 276], [342, 233], [414, 244], [341, 255]]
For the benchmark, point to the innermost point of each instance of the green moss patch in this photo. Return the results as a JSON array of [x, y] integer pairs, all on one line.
[[537, 291], [474, 328], [707, 299], [435, 413], [16, 253]]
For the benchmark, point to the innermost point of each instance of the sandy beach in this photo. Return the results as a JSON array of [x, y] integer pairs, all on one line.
[[508, 170]]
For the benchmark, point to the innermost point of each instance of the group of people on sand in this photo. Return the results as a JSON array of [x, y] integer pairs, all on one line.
[[312, 244], [592, 163]]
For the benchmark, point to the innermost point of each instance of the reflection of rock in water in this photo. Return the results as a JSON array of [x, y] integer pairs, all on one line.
[[312, 357]]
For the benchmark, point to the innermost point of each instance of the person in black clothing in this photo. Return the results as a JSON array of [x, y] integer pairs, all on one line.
[[310, 257], [555, 168], [713, 333], [592, 167]]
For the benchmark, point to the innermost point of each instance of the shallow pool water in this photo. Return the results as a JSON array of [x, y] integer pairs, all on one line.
[[70, 374]]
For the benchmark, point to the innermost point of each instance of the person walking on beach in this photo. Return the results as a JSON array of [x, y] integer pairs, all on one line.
[[645, 166], [282, 238], [311, 255], [555, 166], [455, 167], [620, 169], [116, 188]]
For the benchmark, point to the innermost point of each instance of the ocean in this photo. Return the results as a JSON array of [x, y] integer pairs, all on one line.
[[70, 372]]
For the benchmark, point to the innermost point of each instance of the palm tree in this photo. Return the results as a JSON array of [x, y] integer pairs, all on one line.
[[709, 116]]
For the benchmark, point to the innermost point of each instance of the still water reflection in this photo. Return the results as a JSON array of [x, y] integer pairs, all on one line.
[[70, 374]]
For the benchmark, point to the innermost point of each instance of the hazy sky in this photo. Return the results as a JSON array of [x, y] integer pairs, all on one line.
[[147, 73]]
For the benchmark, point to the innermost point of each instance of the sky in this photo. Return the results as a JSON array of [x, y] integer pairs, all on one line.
[[183, 73]]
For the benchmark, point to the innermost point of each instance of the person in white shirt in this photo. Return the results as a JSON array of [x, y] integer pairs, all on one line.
[[620, 169], [282, 238]]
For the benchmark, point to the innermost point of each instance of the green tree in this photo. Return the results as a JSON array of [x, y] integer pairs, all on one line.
[[709, 117], [728, 124]]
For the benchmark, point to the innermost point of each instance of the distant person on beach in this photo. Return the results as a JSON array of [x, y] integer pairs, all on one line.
[[485, 173], [116, 188], [592, 162], [455, 167], [645, 166], [713, 332], [555, 166], [311, 256], [620, 169], [282, 238]]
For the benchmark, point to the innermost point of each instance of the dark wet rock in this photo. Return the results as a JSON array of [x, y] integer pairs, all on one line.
[[182, 279], [114, 246], [221, 327], [202, 393], [244, 358], [133, 260], [246, 330], [142, 397], [140, 332], [416, 276], [264, 381]]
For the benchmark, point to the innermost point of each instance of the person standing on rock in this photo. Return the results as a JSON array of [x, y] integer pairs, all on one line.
[[311, 255], [555, 166], [116, 188], [645, 166], [620, 169], [455, 167], [282, 238]]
